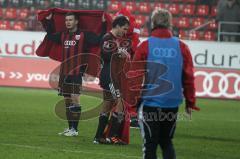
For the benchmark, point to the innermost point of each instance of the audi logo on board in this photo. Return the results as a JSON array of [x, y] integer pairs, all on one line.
[[218, 84]]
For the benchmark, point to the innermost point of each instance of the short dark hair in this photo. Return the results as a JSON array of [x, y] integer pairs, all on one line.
[[121, 21], [72, 14]]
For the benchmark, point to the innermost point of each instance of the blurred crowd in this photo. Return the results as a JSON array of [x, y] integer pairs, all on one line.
[[188, 15]]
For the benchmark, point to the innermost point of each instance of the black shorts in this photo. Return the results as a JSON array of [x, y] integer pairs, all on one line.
[[157, 123], [107, 96], [69, 85]]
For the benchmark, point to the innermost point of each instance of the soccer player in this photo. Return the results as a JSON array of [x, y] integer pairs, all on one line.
[[169, 76], [74, 42], [116, 50]]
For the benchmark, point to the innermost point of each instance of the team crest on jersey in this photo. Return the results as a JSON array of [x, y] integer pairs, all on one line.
[[77, 37]]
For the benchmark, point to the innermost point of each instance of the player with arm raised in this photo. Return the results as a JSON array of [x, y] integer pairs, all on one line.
[[73, 42]]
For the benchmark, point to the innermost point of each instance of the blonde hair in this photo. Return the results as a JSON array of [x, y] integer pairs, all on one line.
[[161, 17]]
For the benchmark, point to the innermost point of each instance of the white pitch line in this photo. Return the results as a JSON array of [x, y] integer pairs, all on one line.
[[65, 150]]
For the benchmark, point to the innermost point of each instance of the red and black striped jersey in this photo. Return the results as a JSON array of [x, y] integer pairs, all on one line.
[[113, 62], [74, 44]]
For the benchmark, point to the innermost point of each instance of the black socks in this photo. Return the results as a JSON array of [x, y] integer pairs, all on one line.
[[103, 121], [73, 112], [116, 120]]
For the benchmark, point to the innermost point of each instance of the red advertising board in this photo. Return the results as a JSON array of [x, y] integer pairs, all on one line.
[[35, 72], [31, 72], [26, 72]]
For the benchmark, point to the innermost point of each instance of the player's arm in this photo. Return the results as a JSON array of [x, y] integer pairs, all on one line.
[[55, 37], [107, 48], [188, 79]]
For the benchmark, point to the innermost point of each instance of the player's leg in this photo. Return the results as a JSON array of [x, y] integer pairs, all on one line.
[[75, 111], [107, 106], [68, 102], [167, 129], [64, 91], [149, 131], [168, 151], [73, 108], [117, 119]]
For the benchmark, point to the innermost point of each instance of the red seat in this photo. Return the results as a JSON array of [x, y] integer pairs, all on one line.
[[183, 22], [71, 4], [23, 14], [202, 10], [14, 3], [57, 3], [175, 21], [1, 12], [11, 13], [27, 3], [98, 4], [182, 34], [19, 25], [188, 9], [174, 8], [195, 35], [114, 6], [131, 6], [213, 25], [140, 20], [189, 1], [210, 36], [37, 11], [5, 25], [176, 1], [144, 7], [214, 11], [197, 22], [158, 6]]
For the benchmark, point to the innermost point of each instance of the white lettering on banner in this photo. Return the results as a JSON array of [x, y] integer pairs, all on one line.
[[2, 74], [223, 84], [215, 54], [22, 45], [37, 77], [205, 58], [41, 77], [16, 75]]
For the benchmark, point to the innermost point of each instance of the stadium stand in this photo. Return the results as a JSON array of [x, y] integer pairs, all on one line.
[[21, 14], [195, 35]]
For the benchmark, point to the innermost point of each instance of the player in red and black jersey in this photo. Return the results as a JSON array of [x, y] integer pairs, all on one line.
[[115, 51], [74, 42]]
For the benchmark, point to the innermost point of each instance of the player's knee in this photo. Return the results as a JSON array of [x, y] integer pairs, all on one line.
[[150, 150], [75, 99], [164, 143], [75, 108]]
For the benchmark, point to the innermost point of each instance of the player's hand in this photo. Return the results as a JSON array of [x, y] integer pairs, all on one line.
[[188, 110], [103, 17], [49, 16]]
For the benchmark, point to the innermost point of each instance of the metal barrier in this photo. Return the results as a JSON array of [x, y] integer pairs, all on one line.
[[220, 23]]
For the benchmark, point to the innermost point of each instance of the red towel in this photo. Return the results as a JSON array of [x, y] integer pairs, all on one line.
[[89, 20]]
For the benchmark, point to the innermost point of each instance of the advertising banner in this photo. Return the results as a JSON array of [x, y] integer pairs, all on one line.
[[217, 65]]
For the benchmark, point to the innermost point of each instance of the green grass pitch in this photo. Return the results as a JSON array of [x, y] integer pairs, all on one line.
[[29, 127]]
